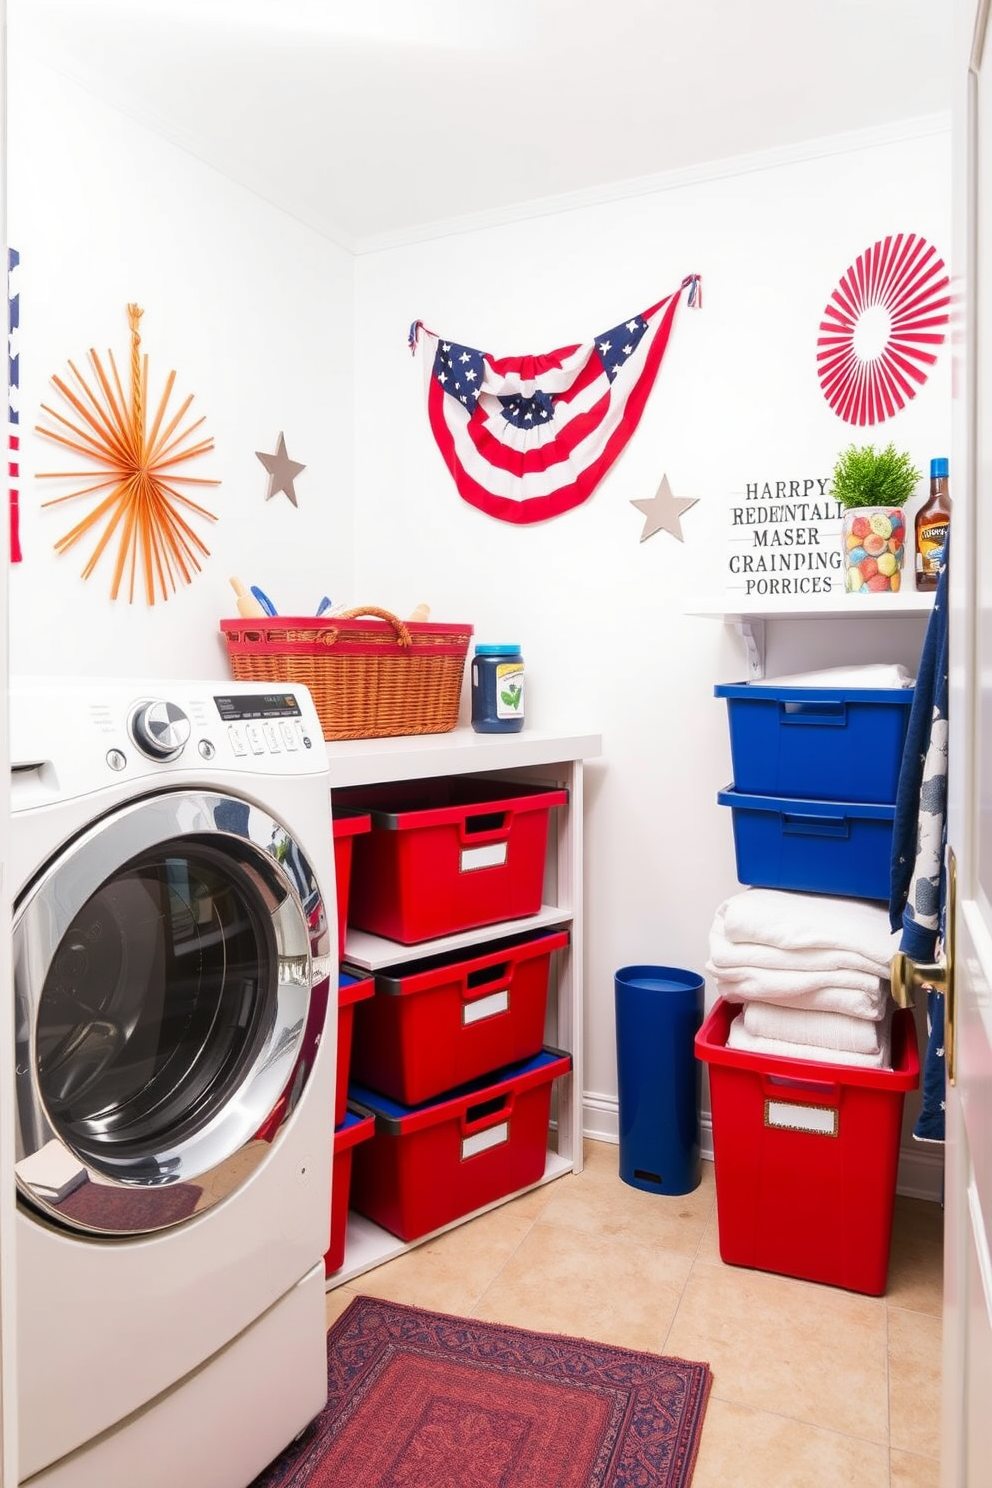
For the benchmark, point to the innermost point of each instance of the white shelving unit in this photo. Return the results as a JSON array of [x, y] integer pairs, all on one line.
[[534, 756], [748, 616]]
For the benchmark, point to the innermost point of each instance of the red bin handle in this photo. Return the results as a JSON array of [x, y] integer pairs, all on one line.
[[487, 1113]]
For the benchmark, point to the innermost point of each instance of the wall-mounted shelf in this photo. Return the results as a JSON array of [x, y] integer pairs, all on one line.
[[748, 615], [732, 606]]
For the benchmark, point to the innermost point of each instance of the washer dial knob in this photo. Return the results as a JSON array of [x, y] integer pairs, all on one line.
[[161, 730]]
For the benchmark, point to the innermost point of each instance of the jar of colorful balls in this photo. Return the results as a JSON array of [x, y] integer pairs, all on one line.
[[874, 546]]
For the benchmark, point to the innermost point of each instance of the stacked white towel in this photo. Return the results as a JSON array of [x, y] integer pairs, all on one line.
[[811, 971], [872, 675], [738, 1037]]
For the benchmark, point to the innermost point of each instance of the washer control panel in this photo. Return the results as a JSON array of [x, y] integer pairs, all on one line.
[[264, 723], [160, 730], [68, 735]]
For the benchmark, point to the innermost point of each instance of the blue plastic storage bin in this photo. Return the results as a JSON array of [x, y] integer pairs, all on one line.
[[820, 847], [834, 744]]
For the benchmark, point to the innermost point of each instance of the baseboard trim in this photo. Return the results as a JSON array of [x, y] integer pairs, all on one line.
[[921, 1165]]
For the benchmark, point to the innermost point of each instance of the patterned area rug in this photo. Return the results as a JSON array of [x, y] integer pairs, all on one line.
[[423, 1400]]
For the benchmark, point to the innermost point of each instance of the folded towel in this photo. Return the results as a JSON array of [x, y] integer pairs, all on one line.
[[873, 674], [739, 1038], [793, 921], [820, 1029], [736, 953], [853, 1004], [759, 984]]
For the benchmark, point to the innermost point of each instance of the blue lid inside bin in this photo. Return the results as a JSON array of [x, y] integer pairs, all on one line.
[[659, 978], [771, 692], [352, 989], [383, 1106]]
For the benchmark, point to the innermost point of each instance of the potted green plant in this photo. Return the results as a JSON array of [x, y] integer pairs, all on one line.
[[874, 486]]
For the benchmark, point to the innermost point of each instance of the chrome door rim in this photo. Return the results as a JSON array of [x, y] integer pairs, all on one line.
[[214, 1155]]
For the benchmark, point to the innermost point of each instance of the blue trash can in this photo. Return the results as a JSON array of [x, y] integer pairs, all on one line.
[[659, 1010]]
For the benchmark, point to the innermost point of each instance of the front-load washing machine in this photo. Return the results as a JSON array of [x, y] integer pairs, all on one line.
[[174, 931]]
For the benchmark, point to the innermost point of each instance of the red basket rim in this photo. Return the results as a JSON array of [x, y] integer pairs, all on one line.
[[311, 622]]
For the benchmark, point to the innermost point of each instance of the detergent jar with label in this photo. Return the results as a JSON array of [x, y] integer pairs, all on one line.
[[497, 689]]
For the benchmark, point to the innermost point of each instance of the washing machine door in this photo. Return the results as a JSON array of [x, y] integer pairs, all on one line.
[[171, 972]]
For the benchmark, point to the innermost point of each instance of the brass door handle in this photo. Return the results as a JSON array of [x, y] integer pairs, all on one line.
[[908, 976]]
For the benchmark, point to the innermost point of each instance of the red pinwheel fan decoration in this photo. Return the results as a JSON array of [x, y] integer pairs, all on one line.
[[881, 327]]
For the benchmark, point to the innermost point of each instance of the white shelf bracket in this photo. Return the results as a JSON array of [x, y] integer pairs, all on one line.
[[751, 628]]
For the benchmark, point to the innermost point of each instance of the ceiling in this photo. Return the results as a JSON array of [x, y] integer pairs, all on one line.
[[369, 119]]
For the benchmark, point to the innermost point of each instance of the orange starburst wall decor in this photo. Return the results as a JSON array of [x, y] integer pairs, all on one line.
[[144, 511]]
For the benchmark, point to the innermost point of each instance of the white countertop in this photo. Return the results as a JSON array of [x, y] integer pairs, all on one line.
[[461, 751]]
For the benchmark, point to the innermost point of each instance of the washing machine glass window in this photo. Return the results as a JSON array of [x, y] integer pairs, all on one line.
[[167, 1020], [157, 999]]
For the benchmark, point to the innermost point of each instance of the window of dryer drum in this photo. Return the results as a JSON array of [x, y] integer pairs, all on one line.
[[159, 994]]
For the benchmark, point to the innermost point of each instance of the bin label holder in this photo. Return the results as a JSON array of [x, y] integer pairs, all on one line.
[[821, 1121], [485, 1007], [493, 1136], [493, 855]]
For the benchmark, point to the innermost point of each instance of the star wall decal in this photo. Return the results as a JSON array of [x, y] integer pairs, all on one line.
[[663, 510], [282, 471]]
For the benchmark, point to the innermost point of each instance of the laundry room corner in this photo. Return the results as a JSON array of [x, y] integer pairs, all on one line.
[[616, 621], [422, 434]]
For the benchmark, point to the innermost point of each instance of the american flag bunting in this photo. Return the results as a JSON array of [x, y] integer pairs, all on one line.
[[528, 438]]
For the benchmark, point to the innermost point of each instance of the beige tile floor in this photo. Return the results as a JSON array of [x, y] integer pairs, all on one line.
[[813, 1387]]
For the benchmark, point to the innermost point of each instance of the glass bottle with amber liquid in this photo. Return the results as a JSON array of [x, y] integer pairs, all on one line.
[[932, 523]]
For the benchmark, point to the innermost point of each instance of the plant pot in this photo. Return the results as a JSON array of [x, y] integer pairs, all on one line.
[[874, 546]]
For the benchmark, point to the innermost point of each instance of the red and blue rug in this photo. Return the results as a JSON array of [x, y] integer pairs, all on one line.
[[422, 1400]]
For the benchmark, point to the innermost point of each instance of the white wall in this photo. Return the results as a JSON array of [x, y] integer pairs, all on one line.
[[257, 315], [252, 310], [601, 616]]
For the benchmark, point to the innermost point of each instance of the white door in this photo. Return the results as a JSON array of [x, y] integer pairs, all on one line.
[[967, 1419]]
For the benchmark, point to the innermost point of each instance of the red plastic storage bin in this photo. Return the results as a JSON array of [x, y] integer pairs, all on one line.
[[352, 989], [431, 1164], [446, 855], [437, 1023], [357, 1126], [806, 1156], [347, 826]]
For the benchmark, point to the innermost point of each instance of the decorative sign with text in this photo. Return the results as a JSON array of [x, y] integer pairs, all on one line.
[[784, 539]]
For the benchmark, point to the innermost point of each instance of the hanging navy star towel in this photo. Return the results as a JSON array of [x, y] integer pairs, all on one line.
[[917, 904]]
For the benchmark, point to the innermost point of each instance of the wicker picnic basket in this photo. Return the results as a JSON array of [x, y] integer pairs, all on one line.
[[371, 675]]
